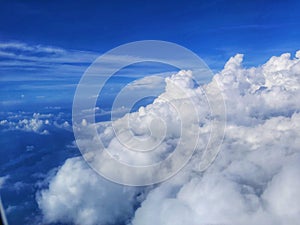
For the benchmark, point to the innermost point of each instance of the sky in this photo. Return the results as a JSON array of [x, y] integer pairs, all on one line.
[[45, 47], [215, 30]]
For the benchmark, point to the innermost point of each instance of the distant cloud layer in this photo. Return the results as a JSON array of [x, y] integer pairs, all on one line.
[[254, 180], [37, 123]]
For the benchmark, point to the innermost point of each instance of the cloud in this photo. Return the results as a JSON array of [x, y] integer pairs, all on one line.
[[287, 184], [25, 48], [251, 182], [78, 195], [33, 124], [158, 126], [56, 203], [42, 59], [254, 179], [39, 61], [37, 123], [149, 82]]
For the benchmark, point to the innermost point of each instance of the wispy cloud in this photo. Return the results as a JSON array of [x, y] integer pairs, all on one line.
[[18, 56], [24, 59], [19, 46]]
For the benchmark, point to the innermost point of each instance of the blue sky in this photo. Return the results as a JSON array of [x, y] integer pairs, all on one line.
[[45, 46], [215, 30]]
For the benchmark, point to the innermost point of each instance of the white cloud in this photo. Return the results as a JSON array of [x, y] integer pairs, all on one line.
[[19, 46], [34, 124], [157, 126], [282, 194], [149, 82], [56, 60], [254, 180], [44, 59], [37, 123], [251, 182], [30, 125], [78, 195]]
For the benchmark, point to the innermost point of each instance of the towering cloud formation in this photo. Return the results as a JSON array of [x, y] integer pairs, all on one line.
[[254, 180]]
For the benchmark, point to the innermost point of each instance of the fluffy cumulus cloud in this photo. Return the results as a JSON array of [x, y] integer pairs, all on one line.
[[78, 195], [169, 125], [36, 123], [254, 180]]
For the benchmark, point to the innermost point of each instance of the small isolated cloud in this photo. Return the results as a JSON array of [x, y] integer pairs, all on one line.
[[254, 180], [149, 82]]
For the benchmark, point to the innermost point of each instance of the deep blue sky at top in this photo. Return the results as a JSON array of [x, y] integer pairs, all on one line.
[[213, 29]]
